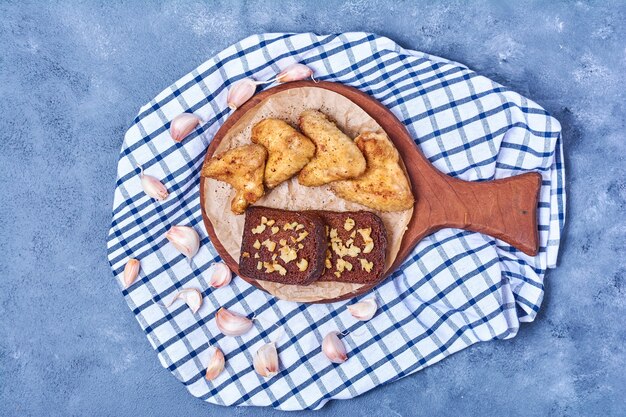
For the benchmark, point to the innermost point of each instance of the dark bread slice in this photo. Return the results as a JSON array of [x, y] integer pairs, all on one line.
[[347, 243], [266, 229]]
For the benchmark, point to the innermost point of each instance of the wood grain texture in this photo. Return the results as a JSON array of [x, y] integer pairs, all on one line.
[[505, 209]]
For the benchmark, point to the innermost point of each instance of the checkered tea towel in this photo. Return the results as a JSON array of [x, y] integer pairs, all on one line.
[[455, 289]]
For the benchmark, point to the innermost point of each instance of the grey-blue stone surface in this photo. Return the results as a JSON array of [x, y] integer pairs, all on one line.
[[72, 77]]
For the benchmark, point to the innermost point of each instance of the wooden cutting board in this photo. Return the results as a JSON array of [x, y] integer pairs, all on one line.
[[505, 208]]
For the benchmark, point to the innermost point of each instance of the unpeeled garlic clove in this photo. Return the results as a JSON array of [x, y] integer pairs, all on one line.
[[131, 271], [221, 275], [185, 239], [241, 92], [191, 297], [216, 365], [232, 324], [153, 187], [182, 125], [334, 349], [266, 360], [294, 72], [363, 310]]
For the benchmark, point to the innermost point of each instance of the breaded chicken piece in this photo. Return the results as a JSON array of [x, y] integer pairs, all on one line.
[[242, 168], [288, 150], [337, 157], [384, 186]]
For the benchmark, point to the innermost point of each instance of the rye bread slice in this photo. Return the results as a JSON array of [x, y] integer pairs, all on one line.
[[346, 259], [282, 246]]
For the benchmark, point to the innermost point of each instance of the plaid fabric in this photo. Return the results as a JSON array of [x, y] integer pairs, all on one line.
[[457, 288]]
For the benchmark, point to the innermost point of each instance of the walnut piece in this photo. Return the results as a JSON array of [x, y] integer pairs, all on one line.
[[341, 250], [340, 265], [343, 265], [256, 244], [367, 266], [275, 230], [259, 229], [302, 264], [271, 222], [353, 251], [349, 224], [245, 255], [269, 244], [338, 248], [368, 247], [287, 254], [281, 269], [366, 233]]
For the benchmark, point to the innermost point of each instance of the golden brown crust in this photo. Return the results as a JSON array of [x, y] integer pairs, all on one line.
[[243, 169], [384, 186], [336, 158], [289, 150]]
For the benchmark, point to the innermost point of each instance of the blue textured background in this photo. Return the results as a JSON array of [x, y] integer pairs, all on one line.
[[72, 78]]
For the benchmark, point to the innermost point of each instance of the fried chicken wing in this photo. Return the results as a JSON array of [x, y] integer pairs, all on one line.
[[384, 186], [288, 150], [336, 158], [242, 168]]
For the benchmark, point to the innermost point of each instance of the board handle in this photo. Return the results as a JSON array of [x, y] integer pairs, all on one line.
[[504, 208]]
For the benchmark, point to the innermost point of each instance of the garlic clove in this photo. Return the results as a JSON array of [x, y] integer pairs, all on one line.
[[232, 324], [153, 187], [221, 275], [216, 365], [363, 310], [334, 349], [191, 297], [131, 271], [294, 72], [266, 360], [185, 239], [182, 125], [241, 92]]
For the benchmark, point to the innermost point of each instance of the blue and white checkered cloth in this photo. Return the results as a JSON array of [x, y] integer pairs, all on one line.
[[457, 288]]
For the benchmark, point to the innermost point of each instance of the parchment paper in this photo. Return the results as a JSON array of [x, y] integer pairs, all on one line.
[[287, 105]]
